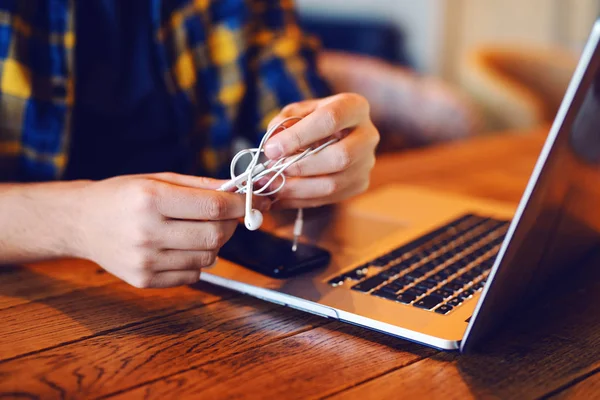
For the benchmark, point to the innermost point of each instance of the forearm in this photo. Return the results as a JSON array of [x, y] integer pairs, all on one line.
[[38, 221]]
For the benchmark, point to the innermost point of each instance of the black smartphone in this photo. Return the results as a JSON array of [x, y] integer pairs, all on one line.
[[271, 255]]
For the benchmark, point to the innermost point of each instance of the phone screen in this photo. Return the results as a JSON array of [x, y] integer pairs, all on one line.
[[271, 255]]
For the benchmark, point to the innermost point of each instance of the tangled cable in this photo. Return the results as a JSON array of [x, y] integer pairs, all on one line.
[[257, 170]]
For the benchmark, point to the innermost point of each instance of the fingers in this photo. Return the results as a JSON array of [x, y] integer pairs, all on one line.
[[180, 202], [190, 235], [320, 190], [169, 268], [359, 144], [331, 116], [301, 109], [167, 279], [181, 260], [198, 182]]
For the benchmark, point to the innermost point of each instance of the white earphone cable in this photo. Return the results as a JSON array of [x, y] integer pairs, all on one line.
[[256, 171]]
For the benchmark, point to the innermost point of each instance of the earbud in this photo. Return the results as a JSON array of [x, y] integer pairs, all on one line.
[[271, 169], [253, 220]]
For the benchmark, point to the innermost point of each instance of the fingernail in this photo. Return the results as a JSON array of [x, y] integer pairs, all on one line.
[[273, 150]]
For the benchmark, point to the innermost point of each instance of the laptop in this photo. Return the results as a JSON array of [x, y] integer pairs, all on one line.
[[444, 270]]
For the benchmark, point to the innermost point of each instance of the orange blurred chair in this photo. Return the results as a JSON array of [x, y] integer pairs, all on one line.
[[517, 88], [409, 109]]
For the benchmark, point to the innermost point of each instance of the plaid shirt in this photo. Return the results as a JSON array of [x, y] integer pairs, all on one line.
[[231, 64]]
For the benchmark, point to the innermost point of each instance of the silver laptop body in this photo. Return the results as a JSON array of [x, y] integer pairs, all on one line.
[[444, 270]]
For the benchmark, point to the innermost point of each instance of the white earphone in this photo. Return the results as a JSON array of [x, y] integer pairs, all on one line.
[[255, 171]]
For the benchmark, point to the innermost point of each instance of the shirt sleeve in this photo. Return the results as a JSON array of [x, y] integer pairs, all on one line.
[[282, 63]]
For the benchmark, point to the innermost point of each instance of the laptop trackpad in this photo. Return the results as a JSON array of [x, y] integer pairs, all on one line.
[[344, 229]]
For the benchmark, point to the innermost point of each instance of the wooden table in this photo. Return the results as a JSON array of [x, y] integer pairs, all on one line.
[[70, 330]]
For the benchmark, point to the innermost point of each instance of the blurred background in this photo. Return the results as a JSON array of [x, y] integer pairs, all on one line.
[[443, 69]]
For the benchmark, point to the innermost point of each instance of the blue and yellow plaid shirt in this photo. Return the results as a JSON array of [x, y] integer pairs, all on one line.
[[231, 63]]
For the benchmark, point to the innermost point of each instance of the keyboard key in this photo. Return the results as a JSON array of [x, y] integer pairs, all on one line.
[[454, 302], [479, 269], [380, 262], [388, 289], [419, 290], [478, 286], [444, 309], [453, 286], [406, 298], [445, 273], [358, 274], [437, 278], [465, 294], [338, 280], [395, 287], [427, 284], [427, 267], [416, 274], [402, 281], [453, 268], [428, 302], [469, 275], [389, 273], [460, 280], [384, 294], [444, 293], [369, 284]]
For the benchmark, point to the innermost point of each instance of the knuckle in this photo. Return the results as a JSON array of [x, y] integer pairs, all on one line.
[[364, 186], [215, 239], [375, 137], [343, 159], [332, 118], [330, 186], [359, 100], [296, 169], [216, 207], [371, 164], [144, 193], [142, 261], [289, 108], [207, 258], [142, 281], [296, 139], [143, 237]]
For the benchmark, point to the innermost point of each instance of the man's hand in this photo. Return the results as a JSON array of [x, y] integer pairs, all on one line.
[[157, 230], [337, 172]]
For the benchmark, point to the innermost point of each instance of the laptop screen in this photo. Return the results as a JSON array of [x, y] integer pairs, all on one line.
[[558, 220]]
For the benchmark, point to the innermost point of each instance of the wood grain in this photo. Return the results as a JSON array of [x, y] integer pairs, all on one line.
[[22, 284], [311, 364], [91, 311], [586, 389], [496, 167], [70, 331], [129, 357]]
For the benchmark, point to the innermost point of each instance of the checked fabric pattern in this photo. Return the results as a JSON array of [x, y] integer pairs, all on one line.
[[230, 64]]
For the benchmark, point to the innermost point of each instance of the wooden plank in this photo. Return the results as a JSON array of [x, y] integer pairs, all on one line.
[[554, 342], [129, 357], [91, 311], [495, 167], [312, 364], [23, 284], [585, 389]]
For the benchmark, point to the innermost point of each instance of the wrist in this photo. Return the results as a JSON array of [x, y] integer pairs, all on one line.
[[69, 203], [56, 209]]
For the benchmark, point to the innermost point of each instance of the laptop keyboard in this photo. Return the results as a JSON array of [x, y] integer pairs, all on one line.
[[438, 271]]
